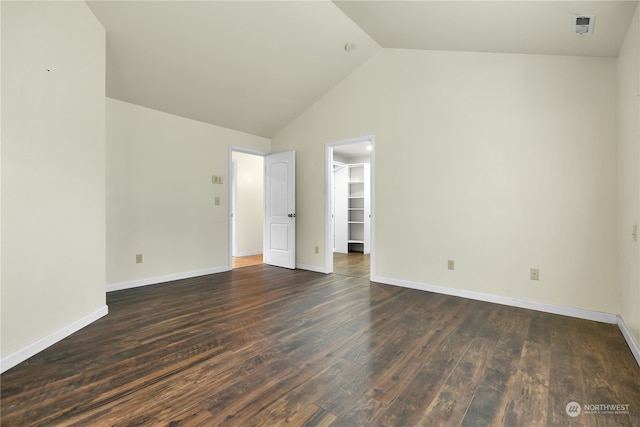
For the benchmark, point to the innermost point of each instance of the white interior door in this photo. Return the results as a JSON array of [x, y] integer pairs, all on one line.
[[280, 210]]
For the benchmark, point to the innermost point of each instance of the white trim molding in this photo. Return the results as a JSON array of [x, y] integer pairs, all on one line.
[[580, 313], [163, 279], [250, 253], [626, 333], [36, 347]]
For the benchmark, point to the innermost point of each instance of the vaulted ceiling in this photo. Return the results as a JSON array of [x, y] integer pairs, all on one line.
[[254, 66]]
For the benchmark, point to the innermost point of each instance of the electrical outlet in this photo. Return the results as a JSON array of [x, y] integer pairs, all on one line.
[[317, 249], [534, 274], [216, 179], [451, 264], [138, 258]]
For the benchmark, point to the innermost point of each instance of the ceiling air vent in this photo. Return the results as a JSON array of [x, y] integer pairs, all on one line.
[[583, 24]]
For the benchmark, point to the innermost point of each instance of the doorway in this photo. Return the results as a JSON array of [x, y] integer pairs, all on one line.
[[349, 217], [247, 208]]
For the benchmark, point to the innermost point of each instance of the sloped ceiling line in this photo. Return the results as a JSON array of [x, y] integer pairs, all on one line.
[[254, 66]]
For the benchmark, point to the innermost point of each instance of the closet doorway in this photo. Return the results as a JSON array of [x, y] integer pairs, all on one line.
[[349, 238]]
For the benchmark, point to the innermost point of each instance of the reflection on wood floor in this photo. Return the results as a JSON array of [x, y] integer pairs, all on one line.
[[353, 264]]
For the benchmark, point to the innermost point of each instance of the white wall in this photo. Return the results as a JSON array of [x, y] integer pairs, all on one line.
[[629, 178], [53, 173], [160, 198], [501, 162], [249, 203]]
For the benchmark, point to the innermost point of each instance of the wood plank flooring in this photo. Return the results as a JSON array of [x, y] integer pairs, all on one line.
[[265, 346], [246, 261], [353, 264]]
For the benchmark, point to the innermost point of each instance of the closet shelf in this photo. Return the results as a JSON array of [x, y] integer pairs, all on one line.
[[352, 219]]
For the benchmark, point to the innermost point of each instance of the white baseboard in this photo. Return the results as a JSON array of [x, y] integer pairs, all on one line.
[[580, 313], [250, 253], [32, 349], [163, 279], [315, 268], [631, 342]]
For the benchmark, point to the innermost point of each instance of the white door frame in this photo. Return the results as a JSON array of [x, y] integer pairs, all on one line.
[[232, 149], [233, 195], [328, 200]]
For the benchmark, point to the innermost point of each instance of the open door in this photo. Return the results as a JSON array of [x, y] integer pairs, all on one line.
[[280, 210]]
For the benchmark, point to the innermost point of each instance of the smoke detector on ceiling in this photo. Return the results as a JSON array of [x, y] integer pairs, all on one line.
[[583, 24]]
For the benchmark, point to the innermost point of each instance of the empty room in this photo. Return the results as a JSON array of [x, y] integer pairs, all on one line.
[[487, 272]]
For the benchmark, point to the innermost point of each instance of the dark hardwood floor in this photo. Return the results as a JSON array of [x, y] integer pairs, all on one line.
[[353, 264], [266, 346]]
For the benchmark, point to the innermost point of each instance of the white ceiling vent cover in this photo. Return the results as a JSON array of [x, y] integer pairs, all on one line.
[[583, 24]]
